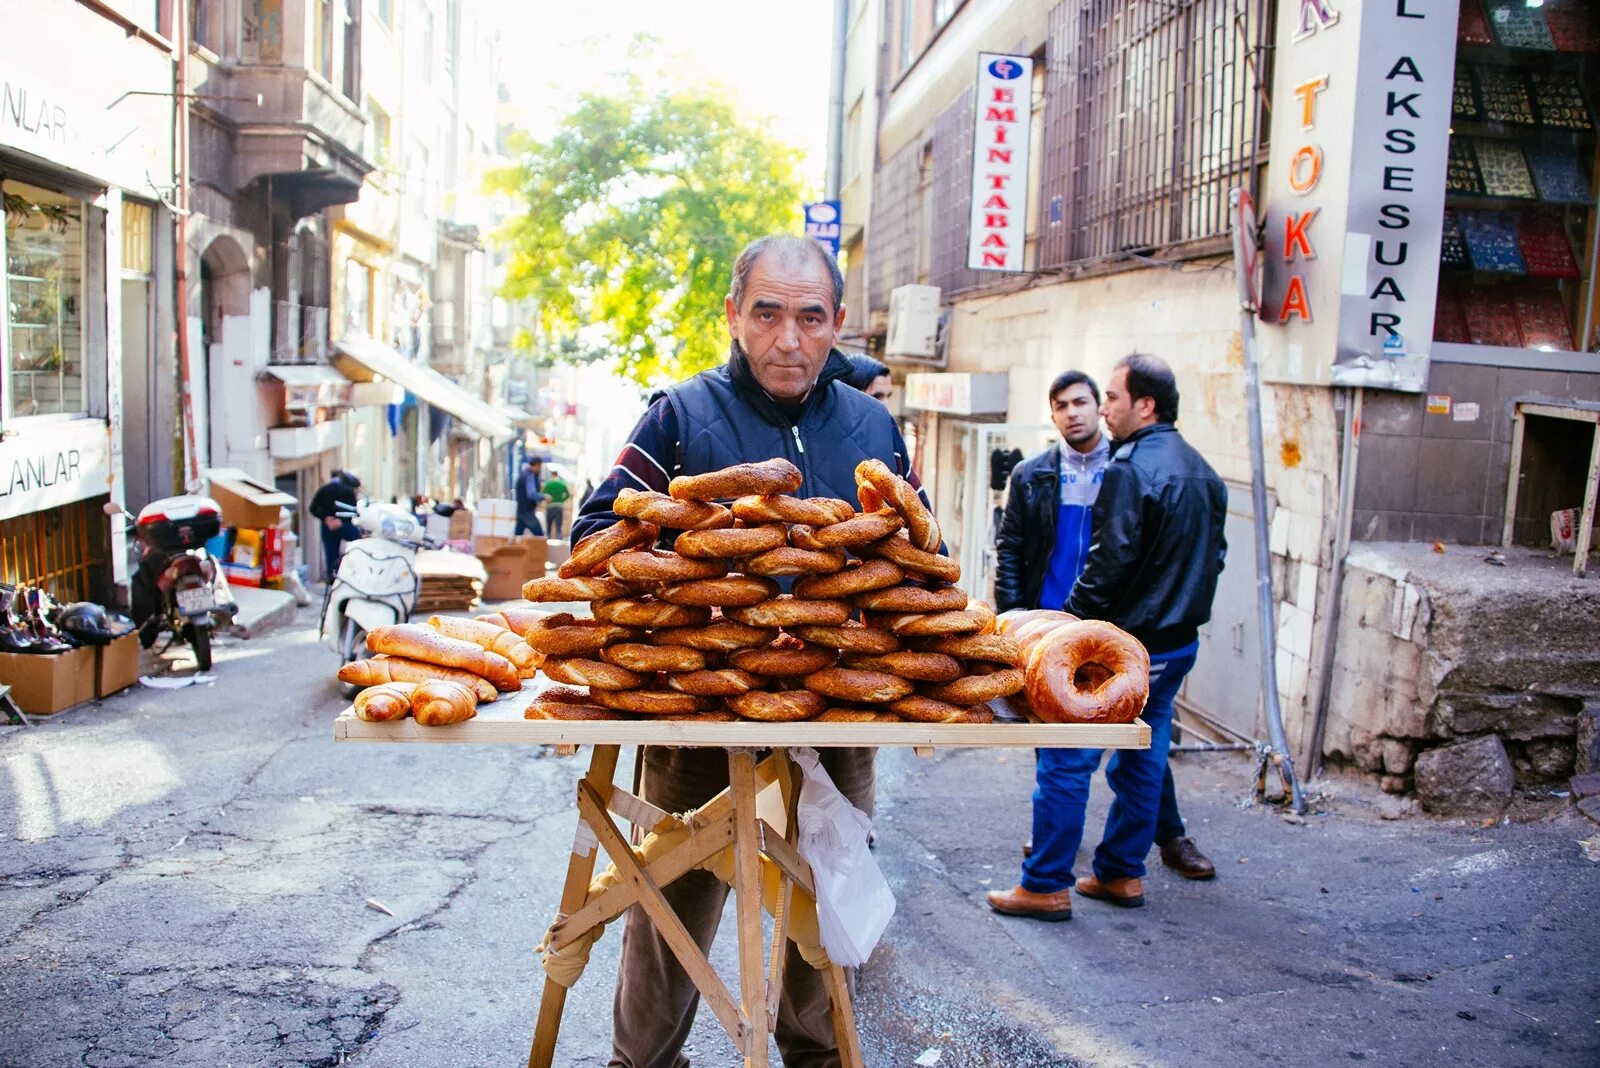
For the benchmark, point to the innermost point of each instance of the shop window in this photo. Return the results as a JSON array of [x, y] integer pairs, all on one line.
[[357, 298], [261, 31], [1514, 263], [44, 302]]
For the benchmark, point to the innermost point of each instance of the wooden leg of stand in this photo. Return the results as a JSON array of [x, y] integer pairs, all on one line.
[[580, 869], [789, 788], [844, 1017], [747, 894]]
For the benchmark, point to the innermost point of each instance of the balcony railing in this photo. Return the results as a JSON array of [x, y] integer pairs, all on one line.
[[299, 333]]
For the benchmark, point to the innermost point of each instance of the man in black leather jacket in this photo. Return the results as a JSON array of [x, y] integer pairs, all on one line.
[[1152, 569]]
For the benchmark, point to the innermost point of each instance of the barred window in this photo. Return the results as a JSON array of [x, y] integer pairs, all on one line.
[[1153, 112]]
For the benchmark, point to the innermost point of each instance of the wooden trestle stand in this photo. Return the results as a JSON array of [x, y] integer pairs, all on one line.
[[730, 818]]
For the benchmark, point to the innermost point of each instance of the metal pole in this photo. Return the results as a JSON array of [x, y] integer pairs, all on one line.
[[1349, 457], [841, 31], [1242, 208]]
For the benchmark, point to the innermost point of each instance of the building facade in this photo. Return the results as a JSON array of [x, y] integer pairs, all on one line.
[[1139, 121]]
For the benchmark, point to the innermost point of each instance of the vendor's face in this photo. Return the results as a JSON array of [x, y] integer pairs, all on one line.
[[787, 324]]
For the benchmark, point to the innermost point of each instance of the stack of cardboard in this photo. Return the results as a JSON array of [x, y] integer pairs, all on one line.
[[509, 563], [451, 581], [42, 684]]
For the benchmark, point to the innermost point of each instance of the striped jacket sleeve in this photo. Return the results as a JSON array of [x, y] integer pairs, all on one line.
[[645, 463]]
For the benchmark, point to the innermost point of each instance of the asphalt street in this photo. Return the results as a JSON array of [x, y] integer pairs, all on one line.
[[202, 877]]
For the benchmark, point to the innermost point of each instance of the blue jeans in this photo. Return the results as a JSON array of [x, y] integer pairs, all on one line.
[[1061, 794]]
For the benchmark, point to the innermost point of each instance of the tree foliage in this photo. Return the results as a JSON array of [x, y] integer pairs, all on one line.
[[636, 208]]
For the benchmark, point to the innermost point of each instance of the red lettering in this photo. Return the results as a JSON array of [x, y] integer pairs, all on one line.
[[1294, 234], [995, 259], [1295, 301], [995, 219], [1000, 135], [997, 201], [1000, 115], [998, 181], [1003, 95], [997, 155], [994, 241]]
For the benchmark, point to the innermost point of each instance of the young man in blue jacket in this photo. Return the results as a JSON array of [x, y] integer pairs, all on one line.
[[1151, 568]]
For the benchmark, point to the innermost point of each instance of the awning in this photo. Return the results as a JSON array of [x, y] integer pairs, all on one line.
[[427, 384], [518, 416], [307, 386]]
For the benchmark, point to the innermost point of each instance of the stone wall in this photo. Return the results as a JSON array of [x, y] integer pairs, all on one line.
[[1435, 649]]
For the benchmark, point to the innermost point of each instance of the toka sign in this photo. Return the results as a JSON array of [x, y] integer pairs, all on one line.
[[54, 464], [1003, 109]]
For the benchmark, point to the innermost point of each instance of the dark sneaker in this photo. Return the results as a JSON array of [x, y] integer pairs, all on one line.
[[1124, 893], [1185, 858], [1053, 908]]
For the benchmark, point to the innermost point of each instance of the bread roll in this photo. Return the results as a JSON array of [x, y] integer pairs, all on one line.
[[381, 669], [386, 701], [496, 639], [439, 703], [517, 620], [417, 642]]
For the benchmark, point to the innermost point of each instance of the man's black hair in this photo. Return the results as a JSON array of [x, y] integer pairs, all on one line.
[[787, 247], [864, 370], [1072, 378], [1149, 376]]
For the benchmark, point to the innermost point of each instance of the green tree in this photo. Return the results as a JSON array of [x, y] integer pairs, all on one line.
[[636, 208]]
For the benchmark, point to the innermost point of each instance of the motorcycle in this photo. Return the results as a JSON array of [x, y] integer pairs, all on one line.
[[376, 584], [177, 586]]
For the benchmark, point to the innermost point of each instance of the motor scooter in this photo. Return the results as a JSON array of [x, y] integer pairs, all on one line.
[[177, 586], [376, 584]]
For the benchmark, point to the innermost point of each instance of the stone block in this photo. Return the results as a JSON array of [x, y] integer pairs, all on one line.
[[1392, 784], [1513, 716], [1471, 778], [1541, 760], [1587, 738], [1585, 785], [1590, 806], [1396, 756]]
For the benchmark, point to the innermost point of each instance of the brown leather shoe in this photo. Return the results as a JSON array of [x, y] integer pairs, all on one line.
[[1027, 849], [1185, 858], [1054, 907], [1124, 893]]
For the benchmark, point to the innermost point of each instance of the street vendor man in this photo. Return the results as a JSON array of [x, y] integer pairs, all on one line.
[[1151, 568], [781, 393]]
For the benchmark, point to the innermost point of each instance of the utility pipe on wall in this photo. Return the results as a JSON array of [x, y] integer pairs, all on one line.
[[1349, 457], [835, 176], [180, 147]]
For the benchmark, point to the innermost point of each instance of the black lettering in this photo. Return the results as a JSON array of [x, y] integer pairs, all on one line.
[[1387, 321], [1397, 103], [1400, 11], [1393, 176], [74, 462], [16, 102], [1387, 288], [1404, 66], [1400, 213], [36, 473], [1401, 142], [1398, 260], [60, 125]]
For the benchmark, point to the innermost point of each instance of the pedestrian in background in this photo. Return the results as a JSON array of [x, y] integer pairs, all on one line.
[[336, 496], [556, 495], [870, 376], [1151, 568], [528, 493]]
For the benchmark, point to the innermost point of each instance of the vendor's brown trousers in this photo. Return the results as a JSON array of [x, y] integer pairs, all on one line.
[[656, 1000]]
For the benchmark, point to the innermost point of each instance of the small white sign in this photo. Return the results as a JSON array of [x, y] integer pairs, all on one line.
[[1002, 113], [54, 464], [1465, 412]]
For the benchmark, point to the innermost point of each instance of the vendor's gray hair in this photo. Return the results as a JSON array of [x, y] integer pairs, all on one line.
[[792, 250]]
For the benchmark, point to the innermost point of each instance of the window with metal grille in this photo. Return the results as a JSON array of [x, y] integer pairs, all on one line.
[[1153, 112]]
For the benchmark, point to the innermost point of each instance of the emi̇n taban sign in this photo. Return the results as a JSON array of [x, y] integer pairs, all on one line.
[[1001, 114]]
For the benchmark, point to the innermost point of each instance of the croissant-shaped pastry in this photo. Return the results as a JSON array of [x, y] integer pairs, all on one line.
[[380, 669], [439, 702], [423, 643], [488, 636], [386, 701]]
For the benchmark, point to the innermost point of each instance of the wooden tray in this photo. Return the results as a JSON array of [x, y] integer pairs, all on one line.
[[501, 723]]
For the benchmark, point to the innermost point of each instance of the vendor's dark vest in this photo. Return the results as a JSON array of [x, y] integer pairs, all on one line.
[[720, 425]]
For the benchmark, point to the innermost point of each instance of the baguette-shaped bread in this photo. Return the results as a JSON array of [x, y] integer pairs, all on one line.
[[381, 669], [419, 642], [386, 701], [517, 620], [439, 702], [488, 636]]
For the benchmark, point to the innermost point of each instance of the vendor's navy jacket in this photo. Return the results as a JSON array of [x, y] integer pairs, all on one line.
[[1158, 542], [723, 417]]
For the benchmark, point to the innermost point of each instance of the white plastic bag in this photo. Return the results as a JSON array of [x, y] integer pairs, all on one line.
[[854, 902]]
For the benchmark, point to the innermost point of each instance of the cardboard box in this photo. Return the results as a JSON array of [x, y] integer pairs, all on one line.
[[116, 665], [246, 502], [239, 575], [536, 554], [558, 550], [495, 508], [461, 525], [485, 545], [511, 564], [42, 685]]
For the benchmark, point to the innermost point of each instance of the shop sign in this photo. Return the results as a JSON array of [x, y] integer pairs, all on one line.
[[1002, 112], [53, 464], [822, 224], [1355, 197], [957, 394]]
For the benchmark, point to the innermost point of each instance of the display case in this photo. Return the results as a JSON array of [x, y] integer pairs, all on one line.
[[1517, 265], [43, 348]]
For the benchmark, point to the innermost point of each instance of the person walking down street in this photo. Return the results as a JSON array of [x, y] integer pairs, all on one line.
[[556, 495], [529, 493], [336, 495], [1151, 568], [781, 393], [1043, 543]]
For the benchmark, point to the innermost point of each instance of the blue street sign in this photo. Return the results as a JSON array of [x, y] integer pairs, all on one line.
[[822, 223]]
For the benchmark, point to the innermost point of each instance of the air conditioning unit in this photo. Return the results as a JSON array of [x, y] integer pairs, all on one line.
[[913, 323]]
